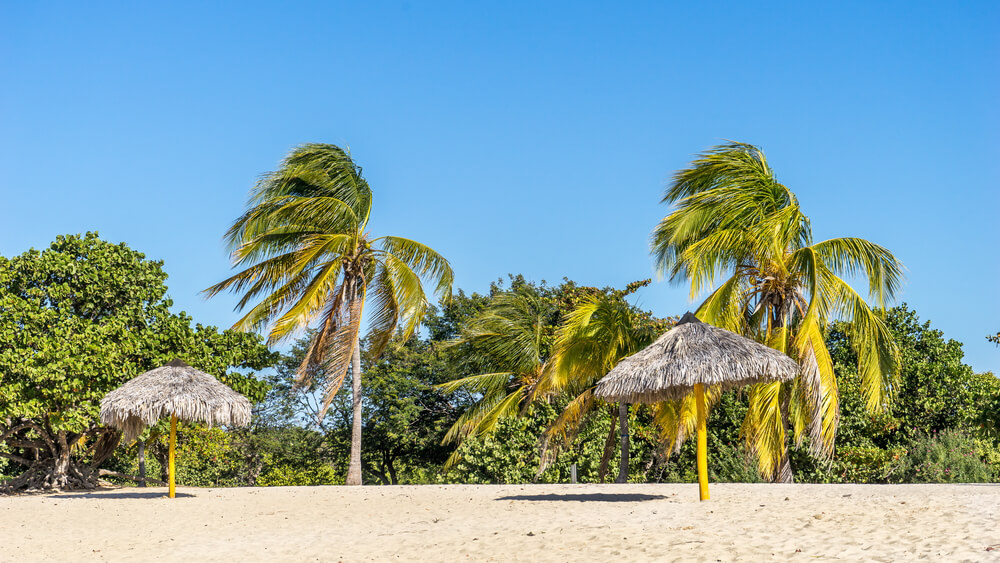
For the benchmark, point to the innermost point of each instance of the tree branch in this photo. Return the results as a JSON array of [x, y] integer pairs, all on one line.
[[18, 459]]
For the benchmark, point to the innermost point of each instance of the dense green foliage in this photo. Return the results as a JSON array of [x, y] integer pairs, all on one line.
[[77, 320], [951, 456], [940, 426]]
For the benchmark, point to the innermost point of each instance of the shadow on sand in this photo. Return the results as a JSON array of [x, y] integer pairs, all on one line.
[[119, 494], [589, 497]]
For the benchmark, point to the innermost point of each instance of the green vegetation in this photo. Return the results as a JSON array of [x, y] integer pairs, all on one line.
[[77, 320], [497, 388]]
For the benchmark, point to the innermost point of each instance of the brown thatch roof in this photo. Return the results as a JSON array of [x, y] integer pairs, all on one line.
[[693, 352], [176, 388]]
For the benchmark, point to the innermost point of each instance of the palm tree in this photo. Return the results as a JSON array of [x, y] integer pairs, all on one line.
[[597, 334], [508, 341], [306, 256], [734, 220]]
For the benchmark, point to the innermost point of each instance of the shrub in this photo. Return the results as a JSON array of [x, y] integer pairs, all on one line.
[[869, 464], [288, 476], [989, 452], [950, 456]]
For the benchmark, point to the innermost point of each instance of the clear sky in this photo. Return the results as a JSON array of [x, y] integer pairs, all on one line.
[[513, 137]]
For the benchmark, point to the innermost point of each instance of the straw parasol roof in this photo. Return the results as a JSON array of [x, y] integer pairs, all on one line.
[[174, 389], [693, 352]]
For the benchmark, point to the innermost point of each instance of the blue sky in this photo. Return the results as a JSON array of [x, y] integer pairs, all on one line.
[[532, 138]]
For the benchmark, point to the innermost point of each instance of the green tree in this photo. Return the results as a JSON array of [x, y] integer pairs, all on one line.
[[406, 417], [936, 390], [306, 254], [77, 320], [734, 220]]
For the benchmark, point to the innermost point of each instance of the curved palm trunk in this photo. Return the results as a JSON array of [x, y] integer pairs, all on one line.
[[354, 466], [623, 430]]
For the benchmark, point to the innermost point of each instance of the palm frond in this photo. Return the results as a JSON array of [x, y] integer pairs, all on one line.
[[854, 256], [764, 428], [423, 260], [341, 345]]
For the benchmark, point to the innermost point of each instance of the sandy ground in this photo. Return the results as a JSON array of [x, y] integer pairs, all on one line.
[[509, 523]]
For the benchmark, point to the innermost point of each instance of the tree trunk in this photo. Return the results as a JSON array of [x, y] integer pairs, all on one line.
[[609, 447], [354, 467], [49, 463], [393, 478], [784, 474], [59, 478], [142, 463], [623, 431]]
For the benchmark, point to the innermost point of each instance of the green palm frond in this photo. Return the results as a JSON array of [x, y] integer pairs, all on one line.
[[488, 384], [385, 308], [763, 428], [857, 256], [482, 418], [878, 355], [508, 333], [341, 344], [409, 292], [678, 419], [310, 302], [724, 307], [317, 169], [423, 260]]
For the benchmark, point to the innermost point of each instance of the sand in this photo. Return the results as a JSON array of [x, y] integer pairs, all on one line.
[[508, 523]]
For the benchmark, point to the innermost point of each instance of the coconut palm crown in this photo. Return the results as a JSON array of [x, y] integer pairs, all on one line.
[[307, 258], [734, 223]]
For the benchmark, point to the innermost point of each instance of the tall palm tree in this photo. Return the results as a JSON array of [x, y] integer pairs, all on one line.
[[306, 256], [599, 332], [507, 340], [734, 222]]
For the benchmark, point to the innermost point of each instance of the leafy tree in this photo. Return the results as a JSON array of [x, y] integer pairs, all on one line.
[[77, 320], [306, 253], [936, 391], [406, 417], [734, 220]]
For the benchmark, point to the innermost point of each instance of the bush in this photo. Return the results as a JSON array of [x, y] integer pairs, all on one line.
[[989, 452], [289, 476], [950, 456], [868, 464]]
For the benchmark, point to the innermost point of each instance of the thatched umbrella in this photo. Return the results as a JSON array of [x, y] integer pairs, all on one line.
[[687, 358], [180, 391]]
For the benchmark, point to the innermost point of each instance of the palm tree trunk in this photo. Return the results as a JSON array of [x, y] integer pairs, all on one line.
[[623, 430], [354, 466], [609, 448], [784, 474]]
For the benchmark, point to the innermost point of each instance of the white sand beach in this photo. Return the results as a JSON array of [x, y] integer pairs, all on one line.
[[508, 523]]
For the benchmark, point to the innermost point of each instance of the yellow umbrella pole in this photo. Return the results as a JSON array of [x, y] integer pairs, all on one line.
[[173, 441], [699, 397]]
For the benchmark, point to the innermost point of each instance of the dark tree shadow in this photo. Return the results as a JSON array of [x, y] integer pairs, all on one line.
[[119, 494], [589, 497]]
